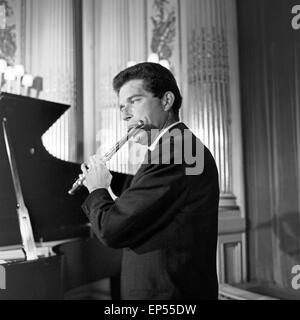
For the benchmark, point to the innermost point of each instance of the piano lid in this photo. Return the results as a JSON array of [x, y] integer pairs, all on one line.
[[45, 180]]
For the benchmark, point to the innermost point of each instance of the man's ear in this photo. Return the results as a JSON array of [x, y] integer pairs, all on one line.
[[168, 100]]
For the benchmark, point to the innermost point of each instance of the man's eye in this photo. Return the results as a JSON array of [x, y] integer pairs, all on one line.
[[135, 100]]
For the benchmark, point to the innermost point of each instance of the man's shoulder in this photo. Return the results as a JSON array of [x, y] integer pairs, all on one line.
[[178, 147]]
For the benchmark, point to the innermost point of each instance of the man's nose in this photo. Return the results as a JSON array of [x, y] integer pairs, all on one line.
[[126, 112]]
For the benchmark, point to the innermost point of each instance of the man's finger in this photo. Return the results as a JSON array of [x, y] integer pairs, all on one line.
[[93, 162], [97, 161], [98, 158], [83, 168]]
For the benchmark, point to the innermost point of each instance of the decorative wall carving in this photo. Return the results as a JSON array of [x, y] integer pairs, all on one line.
[[8, 45], [163, 29], [208, 49]]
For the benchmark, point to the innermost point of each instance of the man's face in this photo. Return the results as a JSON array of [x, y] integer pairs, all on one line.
[[138, 104]]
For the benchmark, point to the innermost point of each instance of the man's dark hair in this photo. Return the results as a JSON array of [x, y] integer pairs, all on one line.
[[156, 79]]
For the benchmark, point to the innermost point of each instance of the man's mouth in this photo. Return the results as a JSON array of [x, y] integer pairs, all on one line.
[[134, 125], [129, 128]]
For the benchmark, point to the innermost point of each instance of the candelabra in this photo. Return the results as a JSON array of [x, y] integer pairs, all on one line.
[[13, 79]]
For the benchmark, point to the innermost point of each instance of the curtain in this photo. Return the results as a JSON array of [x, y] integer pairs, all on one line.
[[270, 75], [118, 29], [49, 55], [207, 105]]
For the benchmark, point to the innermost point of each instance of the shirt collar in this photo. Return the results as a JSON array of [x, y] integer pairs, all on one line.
[[154, 143]]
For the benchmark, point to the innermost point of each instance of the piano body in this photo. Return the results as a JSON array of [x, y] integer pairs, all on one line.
[[66, 255]]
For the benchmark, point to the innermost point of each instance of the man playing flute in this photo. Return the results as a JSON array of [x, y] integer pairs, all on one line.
[[167, 219]]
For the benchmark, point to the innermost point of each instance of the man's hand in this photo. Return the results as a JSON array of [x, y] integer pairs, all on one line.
[[97, 175]]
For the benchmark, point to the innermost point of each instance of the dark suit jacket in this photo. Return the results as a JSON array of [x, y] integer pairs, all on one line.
[[167, 223]]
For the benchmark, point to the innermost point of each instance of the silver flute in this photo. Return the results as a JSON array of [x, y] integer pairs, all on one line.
[[131, 132]]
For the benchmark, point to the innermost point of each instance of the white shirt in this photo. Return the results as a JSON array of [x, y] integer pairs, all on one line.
[[154, 143], [151, 148]]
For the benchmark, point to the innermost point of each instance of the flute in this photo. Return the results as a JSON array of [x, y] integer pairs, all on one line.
[[79, 182]]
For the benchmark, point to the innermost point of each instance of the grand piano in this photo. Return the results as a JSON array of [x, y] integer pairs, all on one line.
[[46, 244]]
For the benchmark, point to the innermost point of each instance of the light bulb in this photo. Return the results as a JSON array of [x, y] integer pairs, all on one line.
[[3, 65], [19, 70], [131, 64], [9, 74], [153, 57], [27, 80], [165, 63]]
